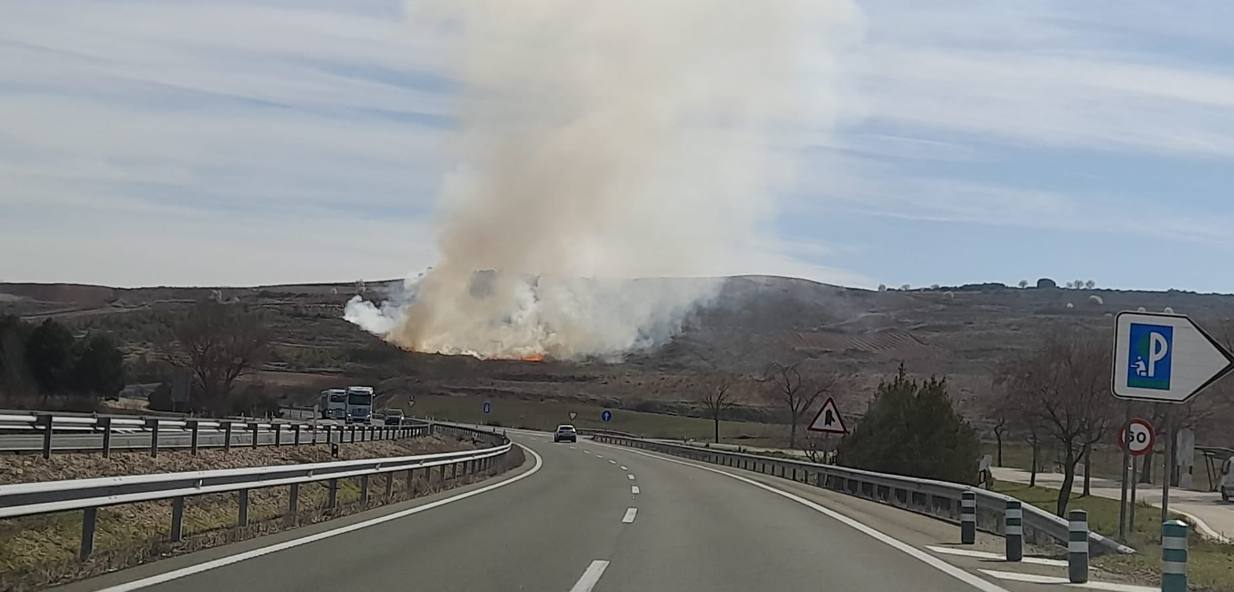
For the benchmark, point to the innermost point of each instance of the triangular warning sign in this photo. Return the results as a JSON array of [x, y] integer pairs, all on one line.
[[828, 419]]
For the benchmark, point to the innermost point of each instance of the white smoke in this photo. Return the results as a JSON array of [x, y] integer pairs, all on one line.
[[608, 140]]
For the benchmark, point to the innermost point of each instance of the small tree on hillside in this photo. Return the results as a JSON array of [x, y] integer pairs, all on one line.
[[219, 343], [717, 397], [912, 428], [796, 395], [49, 355], [1063, 386]]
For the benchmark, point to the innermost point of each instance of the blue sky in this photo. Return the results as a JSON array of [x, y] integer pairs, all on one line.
[[177, 142]]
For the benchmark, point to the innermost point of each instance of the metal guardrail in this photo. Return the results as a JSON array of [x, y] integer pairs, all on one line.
[[62, 432], [88, 495], [939, 499]]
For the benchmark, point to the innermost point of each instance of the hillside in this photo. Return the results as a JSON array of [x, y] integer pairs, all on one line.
[[961, 332]]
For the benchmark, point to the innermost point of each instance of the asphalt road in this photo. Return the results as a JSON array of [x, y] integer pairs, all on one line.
[[569, 520]]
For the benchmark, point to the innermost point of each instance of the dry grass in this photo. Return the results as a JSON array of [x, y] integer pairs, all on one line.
[[41, 550]]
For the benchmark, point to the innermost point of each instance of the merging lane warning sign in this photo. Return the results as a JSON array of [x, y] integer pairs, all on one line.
[[828, 420]]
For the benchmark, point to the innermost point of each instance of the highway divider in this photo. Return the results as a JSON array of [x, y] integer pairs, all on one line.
[[88, 495], [47, 433], [938, 499]]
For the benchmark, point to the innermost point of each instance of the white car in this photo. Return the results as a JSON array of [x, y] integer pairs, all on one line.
[[565, 432]]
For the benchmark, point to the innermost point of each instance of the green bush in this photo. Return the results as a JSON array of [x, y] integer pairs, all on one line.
[[912, 429]]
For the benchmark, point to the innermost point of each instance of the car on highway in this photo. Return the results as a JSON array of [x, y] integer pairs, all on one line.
[[394, 417], [565, 432]]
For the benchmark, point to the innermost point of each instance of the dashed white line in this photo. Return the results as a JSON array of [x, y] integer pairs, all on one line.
[[612, 462], [599, 456], [630, 476], [634, 490], [630, 514], [585, 451], [590, 577], [625, 468]]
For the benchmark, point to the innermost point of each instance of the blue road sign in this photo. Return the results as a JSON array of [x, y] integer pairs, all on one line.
[[1151, 356], [488, 407], [606, 416]]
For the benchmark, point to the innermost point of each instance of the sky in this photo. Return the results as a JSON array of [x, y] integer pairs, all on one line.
[[177, 142]]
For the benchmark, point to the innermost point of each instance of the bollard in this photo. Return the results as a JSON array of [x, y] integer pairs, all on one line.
[[1077, 547], [1174, 556], [968, 518], [1013, 530]]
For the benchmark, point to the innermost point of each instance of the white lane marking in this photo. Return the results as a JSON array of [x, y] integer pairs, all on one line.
[[612, 462], [634, 490], [630, 476], [629, 517], [238, 557], [590, 577], [1036, 579], [599, 456], [585, 451], [625, 468], [914, 552], [996, 556], [574, 448]]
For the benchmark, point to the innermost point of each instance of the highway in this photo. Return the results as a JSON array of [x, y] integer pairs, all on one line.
[[587, 517]]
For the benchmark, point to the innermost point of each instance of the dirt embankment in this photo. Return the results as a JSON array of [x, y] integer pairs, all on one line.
[[38, 551], [34, 468]]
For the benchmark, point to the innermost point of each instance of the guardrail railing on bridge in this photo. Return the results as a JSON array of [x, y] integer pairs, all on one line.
[[939, 499], [62, 432], [88, 495]]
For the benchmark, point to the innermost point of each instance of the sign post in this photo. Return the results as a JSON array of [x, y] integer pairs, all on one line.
[[1164, 359]]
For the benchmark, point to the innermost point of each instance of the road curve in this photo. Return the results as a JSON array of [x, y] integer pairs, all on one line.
[[591, 517]]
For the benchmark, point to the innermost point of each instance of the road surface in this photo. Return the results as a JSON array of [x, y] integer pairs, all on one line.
[[586, 516]]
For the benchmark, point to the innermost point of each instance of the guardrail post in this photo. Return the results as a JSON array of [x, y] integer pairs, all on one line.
[[193, 436], [293, 504], [44, 422], [1013, 530], [105, 422], [278, 431], [89, 518], [352, 429], [153, 424], [243, 519], [364, 490], [389, 486], [253, 431], [296, 429], [1174, 556], [328, 436], [177, 519], [968, 517], [332, 494], [1077, 547], [226, 436]]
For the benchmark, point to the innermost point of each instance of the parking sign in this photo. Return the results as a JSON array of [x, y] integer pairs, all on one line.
[[1164, 358]]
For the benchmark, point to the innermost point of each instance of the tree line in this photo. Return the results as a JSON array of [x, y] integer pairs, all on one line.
[[43, 362]]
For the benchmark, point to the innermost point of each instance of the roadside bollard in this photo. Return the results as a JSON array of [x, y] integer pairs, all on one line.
[[968, 518], [1013, 530], [1174, 556], [1077, 547]]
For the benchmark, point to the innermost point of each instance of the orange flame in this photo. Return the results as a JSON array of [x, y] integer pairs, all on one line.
[[531, 358]]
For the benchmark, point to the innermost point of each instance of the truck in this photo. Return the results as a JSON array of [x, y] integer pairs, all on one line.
[[333, 403], [359, 404]]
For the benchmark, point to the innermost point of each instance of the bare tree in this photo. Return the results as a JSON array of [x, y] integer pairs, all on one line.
[[718, 397], [1000, 429], [1090, 284], [1063, 386], [1023, 284], [796, 395], [219, 343]]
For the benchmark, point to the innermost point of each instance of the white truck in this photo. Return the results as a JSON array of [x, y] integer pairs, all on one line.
[[359, 404], [333, 403]]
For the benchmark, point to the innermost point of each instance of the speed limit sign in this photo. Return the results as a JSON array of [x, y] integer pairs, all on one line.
[[1137, 437]]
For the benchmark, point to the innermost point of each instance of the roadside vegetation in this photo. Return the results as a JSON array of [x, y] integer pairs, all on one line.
[[46, 365]]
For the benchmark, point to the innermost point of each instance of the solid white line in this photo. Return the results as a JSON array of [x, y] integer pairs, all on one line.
[[625, 468], [238, 557], [1112, 587], [629, 517], [634, 490], [1022, 577], [996, 556], [590, 577], [630, 476], [914, 552]]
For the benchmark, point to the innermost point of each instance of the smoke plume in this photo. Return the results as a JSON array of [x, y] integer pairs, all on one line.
[[601, 141]]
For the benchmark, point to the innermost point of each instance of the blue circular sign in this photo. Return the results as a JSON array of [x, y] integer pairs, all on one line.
[[606, 416], [488, 406]]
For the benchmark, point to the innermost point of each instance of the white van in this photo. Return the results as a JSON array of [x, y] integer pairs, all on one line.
[[1226, 484]]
